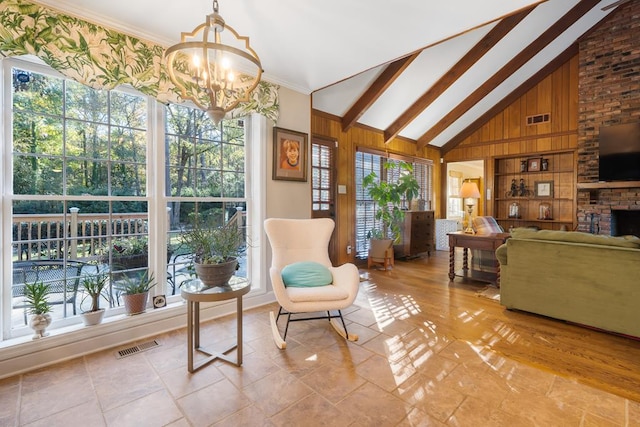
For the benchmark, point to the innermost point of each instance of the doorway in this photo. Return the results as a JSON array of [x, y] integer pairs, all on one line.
[[457, 173]]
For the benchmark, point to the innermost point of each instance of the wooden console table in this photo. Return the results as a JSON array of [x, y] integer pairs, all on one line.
[[489, 242]]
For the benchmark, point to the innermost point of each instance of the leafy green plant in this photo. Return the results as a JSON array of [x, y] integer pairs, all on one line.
[[94, 286], [388, 198], [131, 285], [214, 244], [130, 246], [37, 297]]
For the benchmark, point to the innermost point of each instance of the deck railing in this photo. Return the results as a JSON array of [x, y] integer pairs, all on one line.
[[82, 236], [48, 236]]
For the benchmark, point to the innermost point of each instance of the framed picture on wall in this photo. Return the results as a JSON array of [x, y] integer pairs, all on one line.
[[290, 152], [544, 188], [533, 165]]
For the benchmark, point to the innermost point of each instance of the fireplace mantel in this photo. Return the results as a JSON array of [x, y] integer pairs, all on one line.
[[599, 185]]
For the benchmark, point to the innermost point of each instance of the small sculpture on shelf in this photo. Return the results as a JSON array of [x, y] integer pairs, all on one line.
[[523, 188], [514, 189], [545, 211], [514, 210], [544, 164]]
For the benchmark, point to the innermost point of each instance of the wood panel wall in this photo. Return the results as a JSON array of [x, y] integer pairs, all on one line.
[[329, 127], [507, 133]]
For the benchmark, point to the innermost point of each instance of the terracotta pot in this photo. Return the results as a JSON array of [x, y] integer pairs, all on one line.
[[91, 318], [135, 303], [216, 274]]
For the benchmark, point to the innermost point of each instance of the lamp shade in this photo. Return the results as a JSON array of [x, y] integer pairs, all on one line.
[[469, 190]]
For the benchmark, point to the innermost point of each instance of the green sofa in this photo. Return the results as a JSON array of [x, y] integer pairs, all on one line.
[[591, 280]]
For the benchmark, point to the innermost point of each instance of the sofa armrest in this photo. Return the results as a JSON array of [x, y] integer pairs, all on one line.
[[501, 254]]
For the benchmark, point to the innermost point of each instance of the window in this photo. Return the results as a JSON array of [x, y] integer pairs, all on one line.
[[367, 162], [322, 177], [454, 202], [206, 178], [92, 186]]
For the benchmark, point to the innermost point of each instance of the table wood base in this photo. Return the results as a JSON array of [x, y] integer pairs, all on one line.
[[474, 241]]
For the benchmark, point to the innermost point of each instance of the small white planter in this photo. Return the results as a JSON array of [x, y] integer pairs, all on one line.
[[39, 323], [91, 318]]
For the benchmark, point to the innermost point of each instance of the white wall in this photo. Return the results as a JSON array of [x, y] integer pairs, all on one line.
[[289, 199]]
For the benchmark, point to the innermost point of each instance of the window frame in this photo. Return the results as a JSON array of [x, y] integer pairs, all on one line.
[[155, 195]]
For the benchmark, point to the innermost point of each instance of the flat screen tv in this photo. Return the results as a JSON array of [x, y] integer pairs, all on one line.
[[620, 152]]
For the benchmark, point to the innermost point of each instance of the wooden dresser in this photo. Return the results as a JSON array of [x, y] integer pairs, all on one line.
[[418, 234]]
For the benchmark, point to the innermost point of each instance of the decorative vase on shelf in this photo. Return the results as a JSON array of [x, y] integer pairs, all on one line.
[[544, 164]]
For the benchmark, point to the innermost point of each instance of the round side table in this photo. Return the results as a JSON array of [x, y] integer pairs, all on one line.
[[195, 292]]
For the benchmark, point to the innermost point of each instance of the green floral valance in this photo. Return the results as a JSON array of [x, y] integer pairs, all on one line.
[[99, 57]]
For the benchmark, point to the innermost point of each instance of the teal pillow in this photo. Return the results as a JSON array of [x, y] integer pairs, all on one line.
[[306, 274]]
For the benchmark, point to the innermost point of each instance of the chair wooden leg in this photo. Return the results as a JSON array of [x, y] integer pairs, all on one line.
[[277, 339], [342, 330]]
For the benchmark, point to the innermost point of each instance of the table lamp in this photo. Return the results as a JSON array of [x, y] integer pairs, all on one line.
[[469, 192]]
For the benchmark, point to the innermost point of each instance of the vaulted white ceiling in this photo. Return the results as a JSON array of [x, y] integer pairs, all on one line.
[[336, 49]]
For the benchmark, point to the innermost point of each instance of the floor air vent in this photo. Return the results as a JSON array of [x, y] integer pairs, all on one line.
[[136, 349]]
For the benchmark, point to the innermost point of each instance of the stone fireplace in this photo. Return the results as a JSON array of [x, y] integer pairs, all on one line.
[[608, 93]]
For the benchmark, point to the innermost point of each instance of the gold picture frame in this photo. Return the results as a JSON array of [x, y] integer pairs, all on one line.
[[290, 153]]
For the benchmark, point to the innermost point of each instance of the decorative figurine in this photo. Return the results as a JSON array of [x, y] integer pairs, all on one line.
[[514, 210], [545, 211], [523, 166], [514, 189], [523, 188]]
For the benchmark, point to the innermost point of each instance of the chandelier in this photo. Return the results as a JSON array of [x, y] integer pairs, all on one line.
[[213, 73]]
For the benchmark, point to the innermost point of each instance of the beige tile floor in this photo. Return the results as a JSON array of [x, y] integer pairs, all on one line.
[[401, 372]]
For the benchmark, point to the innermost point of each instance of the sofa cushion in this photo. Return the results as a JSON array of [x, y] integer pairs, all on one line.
[[577, 237], [306, 274]]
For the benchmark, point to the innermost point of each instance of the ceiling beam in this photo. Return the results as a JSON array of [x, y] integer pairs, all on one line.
[[377, 88], [454, 73], [511, 67], [556, 63]]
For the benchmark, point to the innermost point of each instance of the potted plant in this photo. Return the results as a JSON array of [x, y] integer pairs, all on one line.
[[129, 253], [388, 197], [94, 287], [216, 250], [37, 300], [135, 292]]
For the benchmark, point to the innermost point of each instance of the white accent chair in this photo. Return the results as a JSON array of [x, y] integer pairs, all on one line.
[[298, 240]]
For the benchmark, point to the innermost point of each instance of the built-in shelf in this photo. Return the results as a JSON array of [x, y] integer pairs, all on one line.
[[558, 203], [599, 185]]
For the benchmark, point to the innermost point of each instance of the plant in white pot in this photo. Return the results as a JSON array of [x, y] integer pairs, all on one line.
[[216, 250], [37, 300], [389, 198], [94, 287], [134, 291]]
